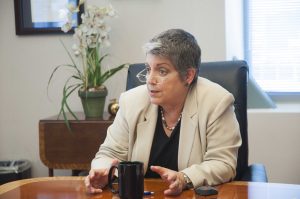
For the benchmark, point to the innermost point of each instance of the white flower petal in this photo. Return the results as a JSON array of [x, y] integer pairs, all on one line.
[[93, 31], [81, 2], [71, 7], [66, 27]]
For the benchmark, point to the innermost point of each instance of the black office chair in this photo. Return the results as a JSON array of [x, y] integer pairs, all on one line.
[[233, 76]]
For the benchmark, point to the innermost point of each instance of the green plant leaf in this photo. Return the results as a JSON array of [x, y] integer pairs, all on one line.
[[67, 91], [101, 59], [54, 71], [69, 54], [91, 76], [111, 72]]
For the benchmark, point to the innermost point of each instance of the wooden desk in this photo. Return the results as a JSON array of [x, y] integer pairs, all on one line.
[[61, 149], [73, 187]]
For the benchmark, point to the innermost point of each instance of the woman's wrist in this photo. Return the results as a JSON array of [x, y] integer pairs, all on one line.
[[186, 181]]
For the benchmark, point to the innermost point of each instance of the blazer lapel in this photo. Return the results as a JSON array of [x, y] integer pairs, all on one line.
[[145, 133], [187, 129]]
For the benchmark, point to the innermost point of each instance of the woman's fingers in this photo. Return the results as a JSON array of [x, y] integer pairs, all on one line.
[[95, 181], [172, 192], [89, 187], [172, 178], [174, 184], [160, 170], [93, 190], [165, 174], [175, 188]]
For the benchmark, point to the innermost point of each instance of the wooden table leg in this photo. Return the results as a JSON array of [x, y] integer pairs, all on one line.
[[50, 171], [75, 172]]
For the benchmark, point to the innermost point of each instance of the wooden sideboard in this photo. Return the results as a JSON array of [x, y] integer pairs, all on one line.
[[61, 149]]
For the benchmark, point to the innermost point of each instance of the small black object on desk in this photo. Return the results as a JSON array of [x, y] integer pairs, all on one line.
[[206, 191]]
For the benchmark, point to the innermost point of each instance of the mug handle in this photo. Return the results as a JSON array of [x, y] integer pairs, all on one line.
[[111, 179]]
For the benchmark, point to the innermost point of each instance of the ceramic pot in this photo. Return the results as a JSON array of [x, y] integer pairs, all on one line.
[[93, 102]]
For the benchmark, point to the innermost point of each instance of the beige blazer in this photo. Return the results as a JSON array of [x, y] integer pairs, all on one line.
[[209, 133]]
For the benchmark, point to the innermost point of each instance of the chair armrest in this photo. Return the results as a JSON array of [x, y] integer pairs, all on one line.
[[255, 173]]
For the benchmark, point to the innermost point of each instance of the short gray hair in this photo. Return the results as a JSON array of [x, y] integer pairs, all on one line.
[[180, 47]]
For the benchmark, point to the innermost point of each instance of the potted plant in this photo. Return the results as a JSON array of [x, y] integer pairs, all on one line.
[[89, 76]]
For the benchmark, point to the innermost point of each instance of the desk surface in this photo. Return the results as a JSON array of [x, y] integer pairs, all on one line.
[[73, 187]]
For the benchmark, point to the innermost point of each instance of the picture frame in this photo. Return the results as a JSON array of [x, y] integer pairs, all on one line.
[[41, 16]]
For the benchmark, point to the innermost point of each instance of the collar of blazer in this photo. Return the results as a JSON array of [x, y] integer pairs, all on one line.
[[188, 128]]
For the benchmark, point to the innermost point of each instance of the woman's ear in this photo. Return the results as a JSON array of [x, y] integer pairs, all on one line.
[[190, 74]]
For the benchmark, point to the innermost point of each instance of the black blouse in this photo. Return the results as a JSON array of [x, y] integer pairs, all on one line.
[[164, 150]]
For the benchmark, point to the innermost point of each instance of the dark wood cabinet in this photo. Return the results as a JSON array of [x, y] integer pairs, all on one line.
[[61, 149]]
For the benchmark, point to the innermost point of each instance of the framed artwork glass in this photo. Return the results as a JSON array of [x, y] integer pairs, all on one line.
[[43, 16]]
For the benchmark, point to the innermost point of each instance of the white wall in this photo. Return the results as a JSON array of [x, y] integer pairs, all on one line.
[[27, 61], [234, 29], [274, 136]]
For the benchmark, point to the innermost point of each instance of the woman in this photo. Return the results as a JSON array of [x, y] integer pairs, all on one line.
[[182, 127]]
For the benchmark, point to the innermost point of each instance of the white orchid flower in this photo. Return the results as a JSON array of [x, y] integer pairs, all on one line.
[[66, 27], [71, 7], [81, 2], [93, 31]]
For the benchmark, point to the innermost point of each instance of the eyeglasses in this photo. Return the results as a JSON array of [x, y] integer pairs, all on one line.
[[144, 76]]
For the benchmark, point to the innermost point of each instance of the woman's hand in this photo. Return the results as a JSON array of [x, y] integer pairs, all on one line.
[[173, 178], [97, 179]]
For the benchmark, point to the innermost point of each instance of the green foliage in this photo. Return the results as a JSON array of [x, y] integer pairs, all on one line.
[[88, 78]]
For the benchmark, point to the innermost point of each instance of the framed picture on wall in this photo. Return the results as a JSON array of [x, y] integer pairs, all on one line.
[[43, 16]]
